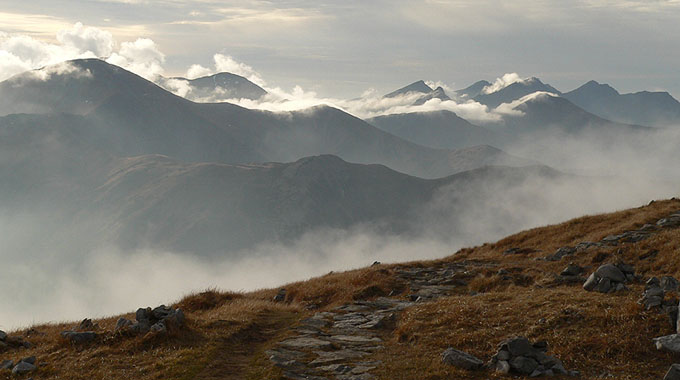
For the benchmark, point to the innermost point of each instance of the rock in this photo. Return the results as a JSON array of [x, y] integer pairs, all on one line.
[[560, 253], [3, 336], [516, 346], [604, 285], [161, 312], [86, 325], [625, 268], [6, 364], [503, 355], [77, 337], [306, 343], [523, 364], [591, 282], [668, 343], [461, 359], [572, 270], [280, 296], [29, 360], [503, 366], [611, 272], [143, 314], [669, 284], [23, 368], [122, 324], [673, 373], [158, 328]]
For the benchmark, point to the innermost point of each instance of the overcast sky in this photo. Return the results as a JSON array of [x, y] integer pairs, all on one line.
[[342, 48]]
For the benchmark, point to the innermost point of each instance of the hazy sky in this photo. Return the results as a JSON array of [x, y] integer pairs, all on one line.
[[341, 48]]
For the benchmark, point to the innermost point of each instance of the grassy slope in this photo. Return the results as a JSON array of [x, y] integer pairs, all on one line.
[[228, 333]]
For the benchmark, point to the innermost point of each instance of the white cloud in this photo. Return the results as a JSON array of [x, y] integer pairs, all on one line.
[[197, 71], [20, 53], [142, 57], [510, 109], [87, 39], [502, 82]]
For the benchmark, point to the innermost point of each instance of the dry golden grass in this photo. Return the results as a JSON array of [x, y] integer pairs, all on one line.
[[227, 333]]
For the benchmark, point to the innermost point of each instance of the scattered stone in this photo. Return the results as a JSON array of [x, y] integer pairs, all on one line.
[[6, 364], [3, 336], [280, 296], [560, 253], [673, 373], [375, 263], [122, 325], [159, 320], [461, 359]]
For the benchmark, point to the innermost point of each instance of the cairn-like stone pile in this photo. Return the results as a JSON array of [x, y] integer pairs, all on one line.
[[610, 278], [159, 320], [518, 355]]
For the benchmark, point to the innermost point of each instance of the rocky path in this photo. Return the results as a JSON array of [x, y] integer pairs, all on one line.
[[336, 344]]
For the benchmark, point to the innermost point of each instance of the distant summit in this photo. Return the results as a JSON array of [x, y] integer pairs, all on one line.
[[220, 86], [514, 91], [418, 86], [645, 108], [473, 90]]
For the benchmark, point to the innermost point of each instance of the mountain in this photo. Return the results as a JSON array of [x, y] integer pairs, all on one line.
[[473, 90], [415, 87], [136, 117], [437, 129], [514, 92], [420, 87], [644, 108], [217, 86], [543, 112]]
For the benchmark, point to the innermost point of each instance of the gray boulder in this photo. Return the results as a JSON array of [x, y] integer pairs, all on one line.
[[122, 324], [78, 337], [669, 343], [669, 284], [673, 373], [611, 272], [23, 368], [461, 359], [3, 336], [523, 365], [6, 364], [591, 282]]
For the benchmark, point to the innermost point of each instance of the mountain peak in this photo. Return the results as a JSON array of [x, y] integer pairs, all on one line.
[[418, 86]]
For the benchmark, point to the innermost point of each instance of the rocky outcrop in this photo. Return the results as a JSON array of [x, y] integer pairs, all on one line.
[[673, 373], [159, 320], [519, 356], [610, 278]]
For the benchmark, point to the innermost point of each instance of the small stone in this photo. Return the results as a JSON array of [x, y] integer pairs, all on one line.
[[503, 366], [461, 359], [158, 328], [669, 284], [3, 336], [86, 325], [591, 282], [29, 360], [523, 364], [6, 364], [673, 373], [280, 296], [503, 355], [604, 286], [143, 314], [122, 324], [517, 346], [23, 368], [572, 270]]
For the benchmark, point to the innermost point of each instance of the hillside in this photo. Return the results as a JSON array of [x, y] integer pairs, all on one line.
[[394, 321]]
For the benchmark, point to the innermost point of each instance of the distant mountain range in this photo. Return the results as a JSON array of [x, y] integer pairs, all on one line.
[[136, 117], [644, 108]]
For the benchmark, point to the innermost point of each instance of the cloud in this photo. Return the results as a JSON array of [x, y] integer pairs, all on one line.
[[20, 53], [87, 39], [502, 82], [142, 57], [510, 109], [226, 63]]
